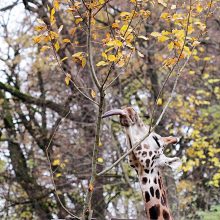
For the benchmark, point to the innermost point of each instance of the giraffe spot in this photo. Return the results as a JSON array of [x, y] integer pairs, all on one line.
[[146, 171], [157, 193], [141, 161], [147, 196], [154, 212], [152, 171], [152, 164], [155, 180], [159, 183], [166, 215], [144, 180], [147, 162], [150, 153], [139, 152], [152, 191], [145, 146], [138, 148], [144, 154], [153, 157]]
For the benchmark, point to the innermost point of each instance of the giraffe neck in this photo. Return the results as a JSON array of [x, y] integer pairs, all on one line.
[[154, 194]]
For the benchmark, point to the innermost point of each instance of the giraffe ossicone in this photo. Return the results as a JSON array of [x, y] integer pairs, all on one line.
[[148, 159]]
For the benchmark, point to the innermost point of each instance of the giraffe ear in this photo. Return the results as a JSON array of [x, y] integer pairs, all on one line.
[[173, 163]]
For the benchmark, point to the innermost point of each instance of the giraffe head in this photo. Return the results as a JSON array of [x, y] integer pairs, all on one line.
[[152, 148]]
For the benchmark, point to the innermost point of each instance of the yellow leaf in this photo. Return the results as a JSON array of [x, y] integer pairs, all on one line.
[[190, 29], [111, 57], [66, 40], [165, 33], [162, 38], [196, 58], [67, 79], [155, 34], [52, 18], [162, 2], [53, 35], [116, 43], [143, 37], [40, 28], [100, 143], [83, 62], [179, 33], [191, 72], [37, 39], [205, 76], [102, 63], [170, 46], [100, 160], [124, 28], [44, 48], [78, 20], [57, 46], [101, 1], [65, 58], [207, 58], [121, 63], [56, 162], [91, 187], [77, 55], [125, 15], [93, 93], [165, 15], [58, 175], [159, 101], [104, 55], [199, 8], [56, 5], [115, 25]]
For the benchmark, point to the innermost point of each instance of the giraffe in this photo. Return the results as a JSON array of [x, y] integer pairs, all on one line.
[[148, 159]]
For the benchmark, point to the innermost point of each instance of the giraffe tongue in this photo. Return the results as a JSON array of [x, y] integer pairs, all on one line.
[[114, 112]]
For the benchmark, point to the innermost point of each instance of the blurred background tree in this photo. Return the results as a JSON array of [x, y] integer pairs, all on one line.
[[50, 51]]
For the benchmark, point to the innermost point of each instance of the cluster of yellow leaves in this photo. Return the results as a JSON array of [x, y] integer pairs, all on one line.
[[203, 150], [80, 57]]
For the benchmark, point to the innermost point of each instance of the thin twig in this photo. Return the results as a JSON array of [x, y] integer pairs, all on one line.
[[58, 61], [51, 171], [172, 69], [89, 48]]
